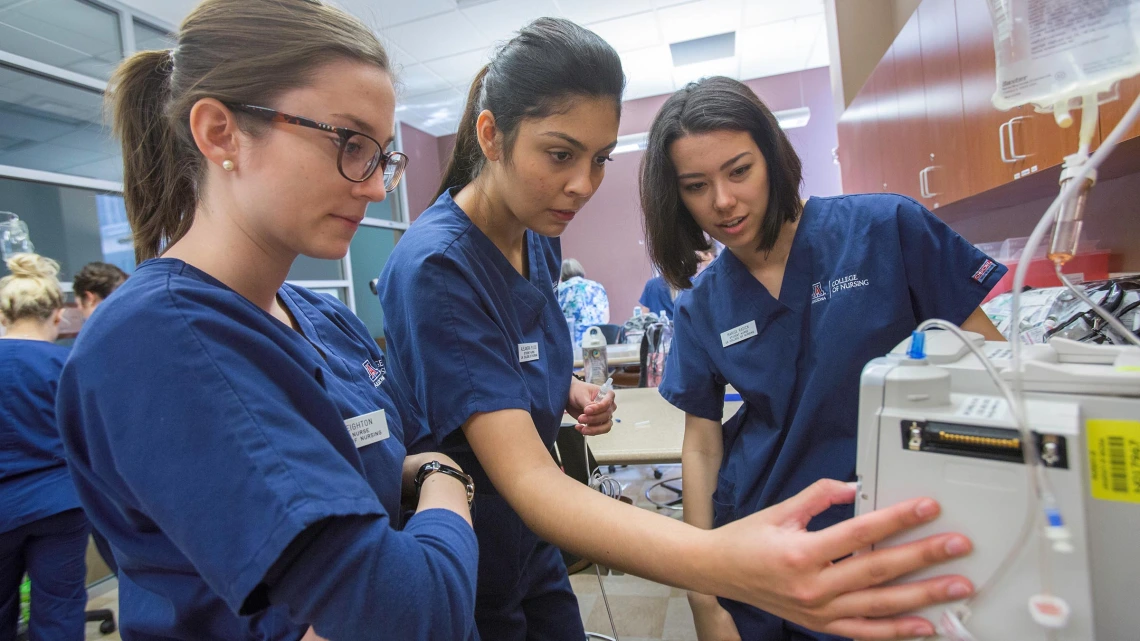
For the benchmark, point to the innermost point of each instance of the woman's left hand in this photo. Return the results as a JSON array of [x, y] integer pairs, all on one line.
[[593, 418]]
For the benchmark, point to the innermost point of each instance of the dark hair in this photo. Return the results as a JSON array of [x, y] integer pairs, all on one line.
[[98, 278], [236, 51], [673, 237], [532, 76]]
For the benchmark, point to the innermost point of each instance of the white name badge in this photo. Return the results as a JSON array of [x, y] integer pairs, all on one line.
[[737, 334], [367, 429], [528, 352]]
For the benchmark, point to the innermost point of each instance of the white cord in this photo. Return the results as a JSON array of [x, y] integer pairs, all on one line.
[[1102, 312], [608, 486]]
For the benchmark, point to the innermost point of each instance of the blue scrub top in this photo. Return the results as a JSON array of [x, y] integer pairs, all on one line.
[[466, 333], [209, 443], [657, 296], [863, 272], [34, 481]]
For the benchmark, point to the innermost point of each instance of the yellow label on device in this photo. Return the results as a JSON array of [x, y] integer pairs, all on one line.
[[1114, 459]]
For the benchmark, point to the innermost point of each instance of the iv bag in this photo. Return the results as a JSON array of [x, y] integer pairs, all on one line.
[[1057, 51], [14, 236]]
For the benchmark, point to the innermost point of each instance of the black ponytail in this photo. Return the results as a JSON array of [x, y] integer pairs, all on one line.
[[532, 76]]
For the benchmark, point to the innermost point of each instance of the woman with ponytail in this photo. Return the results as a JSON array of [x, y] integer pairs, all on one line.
[[236, 438], [478, 344], [43, 531]]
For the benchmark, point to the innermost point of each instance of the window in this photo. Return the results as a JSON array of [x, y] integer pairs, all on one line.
[[70, 225], [52, 126], [369, 252], [69, 34], [148, 38]]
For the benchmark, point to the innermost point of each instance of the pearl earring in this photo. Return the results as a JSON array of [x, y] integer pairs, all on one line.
[[228, 165]]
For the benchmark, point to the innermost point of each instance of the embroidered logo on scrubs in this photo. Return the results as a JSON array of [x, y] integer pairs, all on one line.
[[817, 293], [375, 372], [983, 271], [851, 281]]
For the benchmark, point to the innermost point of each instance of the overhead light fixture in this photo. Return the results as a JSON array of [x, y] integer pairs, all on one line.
[[793, 118], [787, 119], [698, 50], [631, 142]]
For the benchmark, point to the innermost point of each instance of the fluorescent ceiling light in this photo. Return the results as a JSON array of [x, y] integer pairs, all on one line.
[[631, 142], [793, 118], [788, 119], [698, 50]]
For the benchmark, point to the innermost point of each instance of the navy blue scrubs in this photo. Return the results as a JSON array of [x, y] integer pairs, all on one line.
[[863, 272], [43, 531], [466, 333], [657, 296], [247, 475]]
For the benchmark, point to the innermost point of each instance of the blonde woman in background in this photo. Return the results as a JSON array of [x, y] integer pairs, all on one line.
[[43, 531]]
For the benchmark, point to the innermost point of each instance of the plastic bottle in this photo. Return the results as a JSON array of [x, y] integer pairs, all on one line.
[[595, 362]]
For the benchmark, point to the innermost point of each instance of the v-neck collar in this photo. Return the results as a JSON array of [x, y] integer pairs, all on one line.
[[524, 289], [794, 287]]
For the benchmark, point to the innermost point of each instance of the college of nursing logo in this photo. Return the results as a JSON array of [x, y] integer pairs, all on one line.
[[820, 293], [375, 372]]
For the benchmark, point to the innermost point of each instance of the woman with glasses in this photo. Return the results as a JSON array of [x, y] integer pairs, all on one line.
[[478, 344], [236, 438]]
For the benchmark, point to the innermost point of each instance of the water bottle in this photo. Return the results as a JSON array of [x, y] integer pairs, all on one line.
[[635, 328], [572, 326], [595, 364]]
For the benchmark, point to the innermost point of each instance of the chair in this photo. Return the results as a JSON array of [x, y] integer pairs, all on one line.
[[613, 333]]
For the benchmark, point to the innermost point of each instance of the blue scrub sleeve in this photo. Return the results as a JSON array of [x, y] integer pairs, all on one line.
[[459, 361], [947, 276], [690, 382], [644, 300], [356, 577], [222, 449]]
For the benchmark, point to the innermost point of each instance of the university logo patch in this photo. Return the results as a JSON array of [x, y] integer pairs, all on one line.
[[983, 271], [375, 372]]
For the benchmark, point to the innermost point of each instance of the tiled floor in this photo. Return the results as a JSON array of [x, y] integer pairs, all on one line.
[[643, 610]]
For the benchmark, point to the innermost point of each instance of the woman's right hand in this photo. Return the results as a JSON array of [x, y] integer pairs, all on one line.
[[713, 622], [771, 561]]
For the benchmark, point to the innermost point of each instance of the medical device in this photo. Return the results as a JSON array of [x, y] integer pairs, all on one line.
[[14, 236], [1032, 451]]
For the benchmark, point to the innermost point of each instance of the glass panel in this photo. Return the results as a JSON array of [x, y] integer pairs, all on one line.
[[71, 225], [305, 268], [53, 126], [148, 38], [71, 34], [370, 250], [385, 209]]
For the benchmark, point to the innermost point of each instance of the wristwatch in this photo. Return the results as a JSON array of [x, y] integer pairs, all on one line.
[[431, 467]]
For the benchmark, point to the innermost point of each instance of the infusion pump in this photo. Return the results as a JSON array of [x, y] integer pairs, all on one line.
[[938, 426]]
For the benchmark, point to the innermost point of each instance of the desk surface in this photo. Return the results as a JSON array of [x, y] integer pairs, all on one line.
[[650, 430], [621, 354]]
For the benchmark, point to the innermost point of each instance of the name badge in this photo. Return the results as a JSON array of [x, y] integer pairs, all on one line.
[[737, 334], [528, 352], [367, 429]]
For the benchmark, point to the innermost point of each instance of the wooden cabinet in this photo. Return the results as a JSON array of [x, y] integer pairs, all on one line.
[[946, 177], [941, 138], [859, 159], [1112, 112]]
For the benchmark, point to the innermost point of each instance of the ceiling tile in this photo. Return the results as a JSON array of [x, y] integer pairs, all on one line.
[[699, 19], [729, 67], [820, 55], [629, 33], [589, 11], [758, 12], [648, 72], [780, 47], [418, 80], [460, 70], [437, 37], [499, 20], [385, 13]]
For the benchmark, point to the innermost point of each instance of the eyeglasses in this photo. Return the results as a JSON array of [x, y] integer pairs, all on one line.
[[358, 154]]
